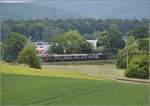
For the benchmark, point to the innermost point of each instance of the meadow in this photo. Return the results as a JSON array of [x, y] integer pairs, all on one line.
[[56, 86]]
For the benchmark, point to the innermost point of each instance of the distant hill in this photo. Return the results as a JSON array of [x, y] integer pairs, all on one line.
[[102, 9], [32, 11]]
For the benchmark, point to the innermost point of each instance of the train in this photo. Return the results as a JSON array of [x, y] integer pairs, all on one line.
[[42, 51], [73, 57]]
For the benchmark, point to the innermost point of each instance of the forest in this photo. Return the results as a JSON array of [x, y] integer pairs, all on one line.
[[45, 29]]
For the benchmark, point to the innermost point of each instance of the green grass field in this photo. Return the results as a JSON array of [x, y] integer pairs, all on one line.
[[26, 86], [92, 70], [83, 62]]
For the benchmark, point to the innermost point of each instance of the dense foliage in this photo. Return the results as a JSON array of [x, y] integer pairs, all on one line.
[[138, 67], [70, 43], [110, 41], [127, 52], [136, 51], [46, 29], [29, 57], [139, 32], [12, 46]]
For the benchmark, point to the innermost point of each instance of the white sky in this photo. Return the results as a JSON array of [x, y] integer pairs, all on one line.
[[15, 1]]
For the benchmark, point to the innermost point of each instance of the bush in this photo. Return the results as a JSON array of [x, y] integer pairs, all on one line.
[[35, 62], [28, 56], [138, 67]]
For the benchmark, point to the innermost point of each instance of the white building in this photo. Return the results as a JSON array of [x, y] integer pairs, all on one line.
[[42, 47], [93, 42]]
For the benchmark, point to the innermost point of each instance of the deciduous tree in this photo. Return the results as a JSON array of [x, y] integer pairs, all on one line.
[[13, 44]]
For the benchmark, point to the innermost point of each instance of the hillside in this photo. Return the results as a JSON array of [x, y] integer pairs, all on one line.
[[32, 11], [103, 9], [22, 70]]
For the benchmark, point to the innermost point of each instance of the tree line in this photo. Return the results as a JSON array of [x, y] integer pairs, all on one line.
[[46, 29]]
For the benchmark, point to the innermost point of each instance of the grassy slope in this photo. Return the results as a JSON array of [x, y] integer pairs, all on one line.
[[38, 89], [17, 69]]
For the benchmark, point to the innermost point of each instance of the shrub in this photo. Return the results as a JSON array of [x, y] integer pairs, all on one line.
[[138, 67], [28, 56]]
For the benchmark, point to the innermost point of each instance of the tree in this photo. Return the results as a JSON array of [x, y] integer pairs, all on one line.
[[139, 32], [143, 44], [86, 47], [131, 49], [1, 51], [103, 41], [141, 35], [98, 49], [13, 44], [49, 32], [121, 58], [29, 57], [71, 42], [116, 41], [57, 45], [110, 41]]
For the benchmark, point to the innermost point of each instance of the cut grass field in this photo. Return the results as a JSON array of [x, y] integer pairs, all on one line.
[[92, 70], [83, 62], [27, 86]]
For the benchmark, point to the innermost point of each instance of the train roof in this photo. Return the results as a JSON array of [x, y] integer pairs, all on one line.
[[70, 54], [74, 54]]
